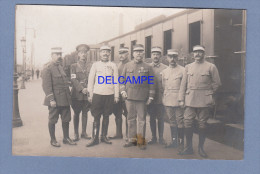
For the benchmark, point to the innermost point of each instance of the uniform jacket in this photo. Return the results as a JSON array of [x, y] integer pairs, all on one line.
[[121, 66], [157, 69], [200, 82], [103, 69], [140, 92], [171, 82], [55, 85], [79, 79]]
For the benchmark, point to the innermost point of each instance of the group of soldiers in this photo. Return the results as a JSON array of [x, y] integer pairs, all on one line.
[[181, 93]]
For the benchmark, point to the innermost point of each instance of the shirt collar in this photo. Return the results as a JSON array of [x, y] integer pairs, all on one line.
[[156, 64]]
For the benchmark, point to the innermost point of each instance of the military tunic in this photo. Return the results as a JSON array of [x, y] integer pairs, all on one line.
[[103, 94], [200, 82], [55, 86], [171, 82], [156, 109], [137, 95], [79, 79]]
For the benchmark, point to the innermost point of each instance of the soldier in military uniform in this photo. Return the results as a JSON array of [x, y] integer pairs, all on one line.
[[171, 81], [79, 77], [102, 95], [199, 84], [156, 109], [58, 98], [120, 107], [138, 96]]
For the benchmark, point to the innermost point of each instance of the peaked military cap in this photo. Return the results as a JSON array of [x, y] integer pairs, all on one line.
[[105, 47], [199, 47], [172, 52], [138, 47], [56, 50], [82, 47], [156, 49], [123, 50]]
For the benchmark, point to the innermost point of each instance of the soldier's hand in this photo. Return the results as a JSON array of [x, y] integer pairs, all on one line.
[[90, 99], [124, 95], [85, 91], [116, 99], [149, 101], [53, 104], [181, 104]]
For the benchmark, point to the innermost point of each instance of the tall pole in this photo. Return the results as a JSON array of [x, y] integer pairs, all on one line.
[[24, 62], [17, 122]]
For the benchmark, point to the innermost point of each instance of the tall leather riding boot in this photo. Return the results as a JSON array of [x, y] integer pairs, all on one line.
[[174, 138], [76, 127], [95, 133], [202, 137], [181, 139], [66, 138], [52, 131], [119, 134], [105, 123], [188, 148], [126, 128], [153, 130], [52, 135], [84, 128], [161, 130]]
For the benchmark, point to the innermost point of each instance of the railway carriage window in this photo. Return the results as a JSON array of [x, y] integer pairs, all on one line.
[[148, 45], [112, 53], [132, 47], [122, 45], [194, 34], [167, 41]]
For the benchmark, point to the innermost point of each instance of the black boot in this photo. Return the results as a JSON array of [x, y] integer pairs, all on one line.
[[188, 149], [153, 130], [119, 134], [95, 134], [52, 135], [161, 130], [126, 129], [76, 127], [174, 136], [84, 127], [181, 139], [105, 123], [202, 137], [66, 138]]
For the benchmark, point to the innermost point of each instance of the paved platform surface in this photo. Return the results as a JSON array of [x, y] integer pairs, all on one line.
[[32, 139]]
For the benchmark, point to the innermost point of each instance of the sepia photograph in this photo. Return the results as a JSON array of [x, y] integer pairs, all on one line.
[[129, 82]]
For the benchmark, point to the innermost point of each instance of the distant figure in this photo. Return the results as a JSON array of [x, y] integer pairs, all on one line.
[[37, 73], [32, 74]]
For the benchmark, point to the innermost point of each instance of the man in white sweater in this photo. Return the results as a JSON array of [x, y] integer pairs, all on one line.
[[103, 91]]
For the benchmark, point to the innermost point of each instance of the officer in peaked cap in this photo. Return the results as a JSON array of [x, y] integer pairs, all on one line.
[[120, 107], [199, 84], [137, 97], [79, 77], [156, 109], [171, 81], [102, 95], [57, 96]]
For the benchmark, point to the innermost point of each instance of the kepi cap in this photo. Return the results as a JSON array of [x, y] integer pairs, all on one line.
[[172, 52], [138, 47], [82, 47], [199, 48], [156, 49], [105, 47], [56, 50], [123, 50]]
